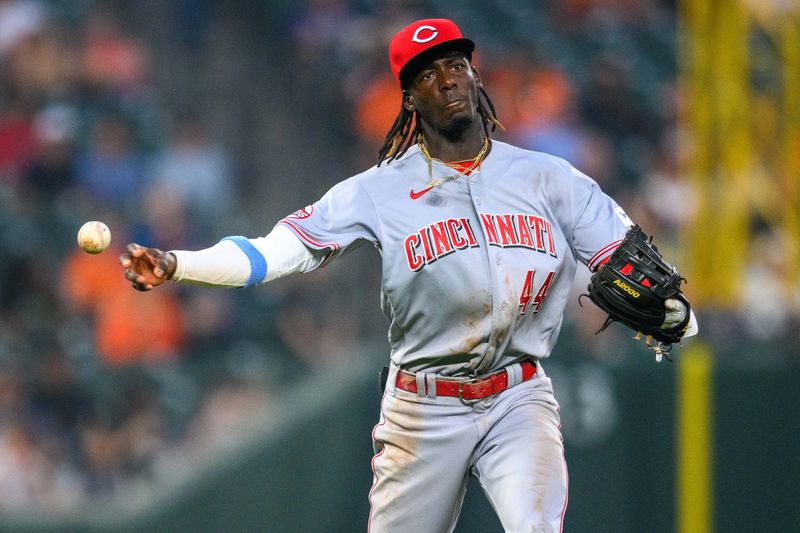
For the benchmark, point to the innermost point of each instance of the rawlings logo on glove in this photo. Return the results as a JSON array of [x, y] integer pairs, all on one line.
[[639, 288]]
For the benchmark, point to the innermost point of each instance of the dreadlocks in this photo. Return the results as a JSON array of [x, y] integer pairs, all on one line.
[[401, 136]]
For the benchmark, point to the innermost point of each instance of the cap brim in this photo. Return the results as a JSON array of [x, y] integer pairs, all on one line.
[[419, 61]]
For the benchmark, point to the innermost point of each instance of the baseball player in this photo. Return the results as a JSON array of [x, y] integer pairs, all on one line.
[[480, 241]]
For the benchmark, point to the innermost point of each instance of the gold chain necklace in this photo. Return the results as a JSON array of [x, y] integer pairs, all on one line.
[[476, 162]]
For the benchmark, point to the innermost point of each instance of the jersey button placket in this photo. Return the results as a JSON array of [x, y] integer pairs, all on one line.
[[474, 188]]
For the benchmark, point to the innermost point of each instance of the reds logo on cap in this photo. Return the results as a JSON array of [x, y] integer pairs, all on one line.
[[421, 41], [417, 38]]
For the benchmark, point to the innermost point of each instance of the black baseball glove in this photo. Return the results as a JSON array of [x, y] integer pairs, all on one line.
[[634, 287]]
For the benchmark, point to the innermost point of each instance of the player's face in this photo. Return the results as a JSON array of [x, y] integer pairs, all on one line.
[[445, 94]]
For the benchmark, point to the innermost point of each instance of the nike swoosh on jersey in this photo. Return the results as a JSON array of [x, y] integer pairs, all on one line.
[[416, 194]]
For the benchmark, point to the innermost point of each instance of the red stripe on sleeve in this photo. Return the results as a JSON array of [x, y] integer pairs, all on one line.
[[601, 257]]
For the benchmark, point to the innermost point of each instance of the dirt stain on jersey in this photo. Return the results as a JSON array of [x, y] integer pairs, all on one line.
[[399, 443], [549, 465], [473, 336]]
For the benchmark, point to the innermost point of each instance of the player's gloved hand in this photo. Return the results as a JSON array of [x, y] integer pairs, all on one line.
[[676, 313], [641, 289], [147, 268]]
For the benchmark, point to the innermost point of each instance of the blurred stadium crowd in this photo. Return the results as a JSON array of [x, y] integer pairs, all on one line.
[[181, 122]]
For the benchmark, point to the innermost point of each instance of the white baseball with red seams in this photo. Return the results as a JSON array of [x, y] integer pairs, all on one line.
[[476, 274], [94, 237]]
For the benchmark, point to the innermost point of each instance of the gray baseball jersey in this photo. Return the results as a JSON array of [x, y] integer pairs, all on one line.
[[476, 270]]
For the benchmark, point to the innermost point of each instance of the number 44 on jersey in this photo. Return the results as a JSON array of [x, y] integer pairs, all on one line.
[[527, 291]]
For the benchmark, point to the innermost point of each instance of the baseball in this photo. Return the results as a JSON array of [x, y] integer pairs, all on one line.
[[94, 237]]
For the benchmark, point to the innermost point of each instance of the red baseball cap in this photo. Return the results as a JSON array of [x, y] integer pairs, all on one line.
[[420, 42]]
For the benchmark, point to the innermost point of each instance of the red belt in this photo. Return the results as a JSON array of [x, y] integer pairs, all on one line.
[[470, 390]]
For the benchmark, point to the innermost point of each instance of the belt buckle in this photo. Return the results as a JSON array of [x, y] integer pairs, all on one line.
[[467, 401]]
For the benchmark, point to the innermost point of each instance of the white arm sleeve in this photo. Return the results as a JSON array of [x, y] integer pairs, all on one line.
[[241, 262]]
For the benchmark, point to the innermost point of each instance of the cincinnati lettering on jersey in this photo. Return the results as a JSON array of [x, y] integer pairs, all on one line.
[[438, 240], [519, 230]]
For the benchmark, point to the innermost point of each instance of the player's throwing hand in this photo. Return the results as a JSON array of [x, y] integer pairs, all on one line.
[[147, 268]]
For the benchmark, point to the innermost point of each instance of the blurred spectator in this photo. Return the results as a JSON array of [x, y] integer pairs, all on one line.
[[505, 80], [111, 167], [597, 160], [611, 106], [116, 451], [18, 457], [208, 319], [311, 324], [112, 59], [609, 103], [164, 214], [325, 37], [376, 108], [228, 410], [58, 400], [544, 98], [769, 304], [376, 104], [20, 19], [322, 28], [670, 197], [543, 118], [197, 169], [42, 66], [194, 19], [12, 396], [119, 441], [51, 170], [17, 143], [101, 457], [627, 12], [18, 465]]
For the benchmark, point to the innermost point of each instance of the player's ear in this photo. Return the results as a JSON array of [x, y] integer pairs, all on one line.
[[408, 102], [478, 81]]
